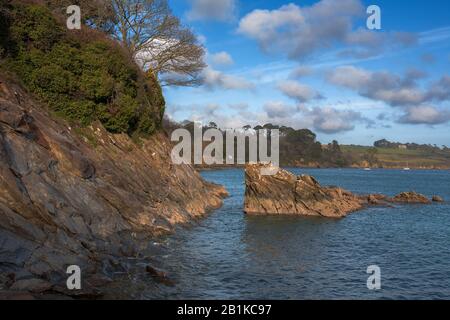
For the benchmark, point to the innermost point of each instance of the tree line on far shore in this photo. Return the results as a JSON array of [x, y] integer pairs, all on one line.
[[301, 148], [297, 147]]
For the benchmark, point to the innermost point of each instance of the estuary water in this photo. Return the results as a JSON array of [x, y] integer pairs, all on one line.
[[230, 255]]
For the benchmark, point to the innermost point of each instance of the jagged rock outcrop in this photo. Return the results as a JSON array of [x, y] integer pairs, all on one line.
[[83, 196], [411, 197], [286, 193]]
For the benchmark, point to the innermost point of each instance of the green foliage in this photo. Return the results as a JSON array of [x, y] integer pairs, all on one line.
[[124, 116], [4, 29], [82, 76], [97, 85], [50, 80], [299, 144], [34, 27]]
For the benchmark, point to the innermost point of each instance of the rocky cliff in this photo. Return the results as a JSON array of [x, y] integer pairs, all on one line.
[[83, 196], [287, 194]]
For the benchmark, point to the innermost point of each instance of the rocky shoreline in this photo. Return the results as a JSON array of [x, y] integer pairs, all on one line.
[[287, 194], [83, 196], [86, 197]]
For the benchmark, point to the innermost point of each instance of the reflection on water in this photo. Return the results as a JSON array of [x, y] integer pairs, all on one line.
[[232, 256]]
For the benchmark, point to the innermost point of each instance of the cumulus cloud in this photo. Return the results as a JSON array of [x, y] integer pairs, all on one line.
[[440, 90], [366, 38], [215, 113], [301, 31], [330, 120], [213, 79], [295, 90], [326, 120], [425, 115], [398, 91], [390, 88], [218, 10], [350, 77], [277, 109], [222, 59], [412, 76], [382, 86]]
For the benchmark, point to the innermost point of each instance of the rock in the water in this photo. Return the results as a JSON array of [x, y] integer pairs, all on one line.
[[285, 193], [376, 199], [437, 199], [411, 197]]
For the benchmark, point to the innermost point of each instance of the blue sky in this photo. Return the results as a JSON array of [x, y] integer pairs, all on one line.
[[315, 64]]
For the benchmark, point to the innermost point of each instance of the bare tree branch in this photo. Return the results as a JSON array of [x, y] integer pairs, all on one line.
[[158, 41]]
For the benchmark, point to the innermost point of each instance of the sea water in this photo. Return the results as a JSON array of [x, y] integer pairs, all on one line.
[[230, 255]]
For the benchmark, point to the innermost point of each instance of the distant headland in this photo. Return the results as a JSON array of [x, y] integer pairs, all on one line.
[[300, 148]]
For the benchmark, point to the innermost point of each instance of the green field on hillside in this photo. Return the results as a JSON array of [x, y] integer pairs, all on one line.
[[401, 157]]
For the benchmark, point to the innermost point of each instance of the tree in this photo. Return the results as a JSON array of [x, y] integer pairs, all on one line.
[[158, 41], [213, 125], [96, 14], [154, 37]]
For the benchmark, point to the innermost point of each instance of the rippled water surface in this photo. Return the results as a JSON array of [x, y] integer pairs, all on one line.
[[232, 256]]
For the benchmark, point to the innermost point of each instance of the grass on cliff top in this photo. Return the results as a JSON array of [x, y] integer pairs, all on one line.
[[401, 157], [81, 75]]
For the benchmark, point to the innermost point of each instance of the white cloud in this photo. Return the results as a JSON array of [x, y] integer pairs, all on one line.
[[278, 109], [382, 86], [425, 115], [350, 77], [218, 10], [440, 90], [298, 91], [202, 39], [326, 120], [400, 96], [222, 59], [264, 25], [398, 91], [329, 120], [301, 31], [390, 88], [213, 79]]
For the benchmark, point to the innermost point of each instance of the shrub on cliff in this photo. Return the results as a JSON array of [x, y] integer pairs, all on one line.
[[82, 75]]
